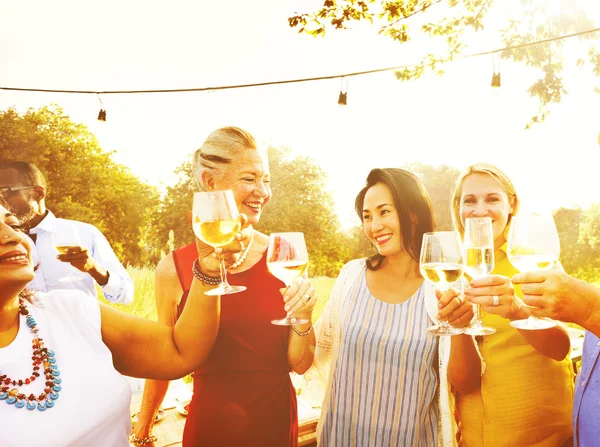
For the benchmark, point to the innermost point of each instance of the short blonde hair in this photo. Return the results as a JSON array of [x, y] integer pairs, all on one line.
[[218, 150], [482, 168]]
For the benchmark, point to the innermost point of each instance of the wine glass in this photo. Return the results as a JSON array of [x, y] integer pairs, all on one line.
[[287, 259], [441, 263], [533, 244], [478, 249], [64, 237], [215, 221]]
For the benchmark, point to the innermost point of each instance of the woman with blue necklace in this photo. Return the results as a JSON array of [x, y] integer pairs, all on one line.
[[62, 354]]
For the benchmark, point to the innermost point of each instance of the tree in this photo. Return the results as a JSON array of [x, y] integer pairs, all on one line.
[[534, 22], [174, 215], [439, 182], [302, 202], [84, 182]]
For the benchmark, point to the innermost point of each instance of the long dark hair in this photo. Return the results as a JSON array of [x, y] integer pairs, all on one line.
[[412, 204]]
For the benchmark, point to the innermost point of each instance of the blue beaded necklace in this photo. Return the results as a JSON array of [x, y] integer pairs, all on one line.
[[42, 358]]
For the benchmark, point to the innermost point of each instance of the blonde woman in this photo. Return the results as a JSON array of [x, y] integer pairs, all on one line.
[[243, 394], [514, 387]]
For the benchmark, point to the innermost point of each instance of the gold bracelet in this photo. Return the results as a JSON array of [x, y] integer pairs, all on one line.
[[302, 334], [143, 441]]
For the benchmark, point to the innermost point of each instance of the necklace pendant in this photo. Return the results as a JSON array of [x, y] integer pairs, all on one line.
[[19, 403], [30, 406]]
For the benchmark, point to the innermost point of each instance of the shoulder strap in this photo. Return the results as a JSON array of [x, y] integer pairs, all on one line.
[[183, 259]]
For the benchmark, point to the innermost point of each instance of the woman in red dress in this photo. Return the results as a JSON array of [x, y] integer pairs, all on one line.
[[242, 393]]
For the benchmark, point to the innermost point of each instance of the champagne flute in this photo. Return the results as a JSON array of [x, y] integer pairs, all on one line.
[[441, 263], [533, 244], [287, 258], [478, 247], [64, 237], [215, 221]]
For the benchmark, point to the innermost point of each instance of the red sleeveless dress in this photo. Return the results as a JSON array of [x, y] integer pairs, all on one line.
[[243, 395]]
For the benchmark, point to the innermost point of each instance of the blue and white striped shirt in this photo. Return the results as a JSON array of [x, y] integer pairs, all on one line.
[[386, 378]]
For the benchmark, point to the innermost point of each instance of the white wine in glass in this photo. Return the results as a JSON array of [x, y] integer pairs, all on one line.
[[287, 258], [441, 263], [65, 237], [478, 248], [215, 221], [533, 244]]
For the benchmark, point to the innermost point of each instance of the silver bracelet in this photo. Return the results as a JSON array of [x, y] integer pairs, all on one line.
[[210, 280], [302, 334], [141, 441]]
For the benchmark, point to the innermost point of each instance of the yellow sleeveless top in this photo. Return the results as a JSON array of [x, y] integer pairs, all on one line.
[[525, 398]]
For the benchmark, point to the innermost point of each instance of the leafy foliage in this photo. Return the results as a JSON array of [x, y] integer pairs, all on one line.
[[302, 202], [85, 183], [450, 20]]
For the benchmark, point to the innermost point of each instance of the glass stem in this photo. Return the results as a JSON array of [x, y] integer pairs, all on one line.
[[223, 272], [477, 321]]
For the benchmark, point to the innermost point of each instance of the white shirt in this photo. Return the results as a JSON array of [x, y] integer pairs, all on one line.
[[93, 406], [51, 273]]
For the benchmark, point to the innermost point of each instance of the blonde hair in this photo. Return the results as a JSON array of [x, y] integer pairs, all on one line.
[[220, 149], [497, 174]]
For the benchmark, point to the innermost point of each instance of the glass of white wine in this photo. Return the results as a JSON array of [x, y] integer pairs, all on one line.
[[287, 258], [441, 263], [533, 244], [215, 220], [478, 248], [65, 237]]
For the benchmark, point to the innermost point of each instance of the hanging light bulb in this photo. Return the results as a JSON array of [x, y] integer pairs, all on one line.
[[102, 112], [343, 98], [496, 75], [496, 80]]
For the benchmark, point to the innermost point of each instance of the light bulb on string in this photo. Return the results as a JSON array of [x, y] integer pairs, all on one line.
[[343, 97], [102, 112]]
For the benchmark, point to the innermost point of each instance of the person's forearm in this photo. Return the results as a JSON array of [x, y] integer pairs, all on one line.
[[588, 299], [464, 366], [137, 343], [154, 393], [554, 342], [301, 348]]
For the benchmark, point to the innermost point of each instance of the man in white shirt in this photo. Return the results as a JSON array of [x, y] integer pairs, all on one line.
[[84, 264]]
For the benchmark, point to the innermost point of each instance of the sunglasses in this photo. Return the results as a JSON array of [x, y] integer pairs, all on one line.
[[11, 190]]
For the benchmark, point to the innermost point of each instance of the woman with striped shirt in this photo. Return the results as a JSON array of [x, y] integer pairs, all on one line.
[[383, 374]]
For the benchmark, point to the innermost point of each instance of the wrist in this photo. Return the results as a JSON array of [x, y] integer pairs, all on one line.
[[137, 441], [99, 274]]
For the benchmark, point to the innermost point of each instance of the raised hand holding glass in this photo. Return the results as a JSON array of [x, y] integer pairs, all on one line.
[[216, 222], [478, 247], [287, 258], [441, 263], [533, 244]]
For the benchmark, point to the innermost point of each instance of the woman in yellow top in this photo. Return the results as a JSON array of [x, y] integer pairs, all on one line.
[[514, 387]]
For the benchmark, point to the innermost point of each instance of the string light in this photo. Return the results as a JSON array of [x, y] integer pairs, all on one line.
[[292, 81], [102, 112], [343, 98]]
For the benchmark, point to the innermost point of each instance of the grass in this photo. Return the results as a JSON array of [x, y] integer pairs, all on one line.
[[144, 305]]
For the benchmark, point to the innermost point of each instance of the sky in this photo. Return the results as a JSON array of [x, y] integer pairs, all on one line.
[[456, 119]]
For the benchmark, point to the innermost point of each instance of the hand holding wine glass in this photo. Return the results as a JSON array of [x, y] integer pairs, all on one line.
[[479, 261], [216, 221], [442, 263], [287, 258], [533, 244], [66, 241]]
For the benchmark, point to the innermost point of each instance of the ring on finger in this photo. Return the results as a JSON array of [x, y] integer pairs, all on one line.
[[306, 298], [495, 300], [242, 246], [461, 300]]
